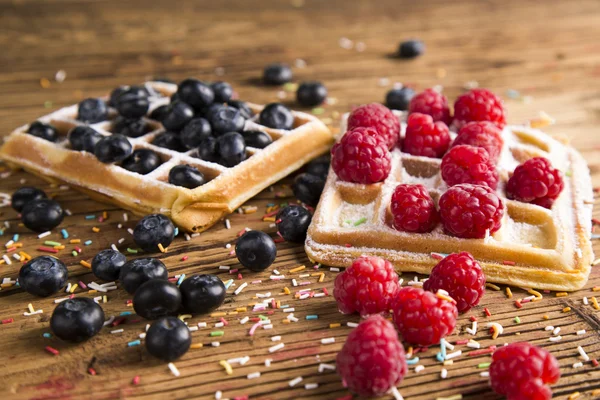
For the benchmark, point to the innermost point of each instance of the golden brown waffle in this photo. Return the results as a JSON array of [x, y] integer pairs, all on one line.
[[194, 210], [534, 248]]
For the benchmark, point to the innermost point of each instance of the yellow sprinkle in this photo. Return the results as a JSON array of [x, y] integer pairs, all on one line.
[[196, 346], [566, 309], [105, 300], [92, 291], [278, 304], [75, 241], [336, 325], [492, 286], [561, 294], [218, 314], [227, 367], [2, 261], [104, 215], [59, 247], [286, 290], [17, 245], [161, 248], [595, 288], [241, 309], [316, 274], [286, 321], [545, 316], [596, 262], [496, 332], [44, 83], [508, 293], [24, 256], [538, 295], [73, 288], [6, 285], [297, 269], [322, 277], [232, 313], [96, 229], [448, 362], [269, 219], [183, 317], [85, 264], [409, 352], [595, 303], [574, 396], [596, 392], [444, 297], [541, 121], [30, 307]]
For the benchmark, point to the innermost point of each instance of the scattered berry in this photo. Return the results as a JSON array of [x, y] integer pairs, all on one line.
[[277, 74], [177, 115], [293, 223], [468, 164], [256, 250], [106, 265], [482, 134], [411, 49], [202, 294], [195, 132], [257, 139], [25, 195], [152, 230], [308, 188], [413, 209], [77, 319], [431, 102], [276, 116], [222, 90], [399, 99], [471, 211], [84, 138], [92, 111], [142, 161], [479, 105], [42, 215], [425, 137], [186, 176], [378, 117], [156, 298], [195, 93], [310, 94], [43, 276], [535, 181], [135, 272], [231, 149], [226, 119], [130, 127], [169, 140], [319, 166], [133, 102], [112, 149], [168, 338], [43, 131]]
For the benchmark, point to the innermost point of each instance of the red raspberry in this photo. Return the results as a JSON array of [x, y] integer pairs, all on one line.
[[469, 211], [431, 103], [367, 287], [424, 137], [423, 318], [468, 164], [376, 116], [372, 360], [413, 209], [361, 157], [482, 134], [536, 182], [522, 371], [479, 105], [461, 276]]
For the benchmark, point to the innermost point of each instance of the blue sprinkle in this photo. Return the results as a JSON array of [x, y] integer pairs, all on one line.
[[90, 217], [596, 236], [284, 306], [513, 94], [1, 232], [134, 343], [228, 283], [439, 357], [309, 317], [181, 278], [64, 233], [126, 313], [87, 242], [443, 348], [47, 335], [16, 237], [176, 231], [412, 361]]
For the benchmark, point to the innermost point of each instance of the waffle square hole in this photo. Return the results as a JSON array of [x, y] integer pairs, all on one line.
[[209, 173], [529, 225]]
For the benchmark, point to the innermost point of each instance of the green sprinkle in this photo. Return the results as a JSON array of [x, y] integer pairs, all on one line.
[[290, 87], [47, 104], [133, 251], [134, 343], [318, 110], [360, 221], [51, 243], [262, 317], [517, 320], [483, 365], [309, 317], [569, 173], [217, 333], [74, 253], [47, 335]]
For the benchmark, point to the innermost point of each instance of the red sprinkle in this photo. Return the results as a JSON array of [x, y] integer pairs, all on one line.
[[91, 371], [487, 312], [348, 245], [240, 233], [596, 221], [279, 240], [82, 285], [239, 276], [244, 397], [72, 296], [127, 302], [135, 380], [224, 321], [278, 221], [463, 341], [256, 319], [506, 262], [184, 258], [8, 321], [524, 301], [52, 350], [489, 350], [233, 271], [473, 318], [47, 249], [594, 362], [518, 304], [10, 249], [271, 312], [118, 321], [78, 249], [325, 291]]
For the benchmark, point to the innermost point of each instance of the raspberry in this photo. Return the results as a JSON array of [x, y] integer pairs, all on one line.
[[379, 117], [361, 157], [367, 287], [431, 103], [424, 137], [461, 276], [479, 105], [421, 317], [522, 371], [468, 164], [471, 211], [482, 134], [372, 360], [536, 182], [413, 209]]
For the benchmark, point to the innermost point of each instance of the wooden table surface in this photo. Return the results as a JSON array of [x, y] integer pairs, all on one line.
[[537, 55]]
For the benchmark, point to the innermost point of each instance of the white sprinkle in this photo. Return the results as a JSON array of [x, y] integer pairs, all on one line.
[[278, 346], [173, 369], [585, 301], [581, 332], [328, 340], [98, 299], [299, 63], [120, 226], [310, 386], [107, 322], [303, 276], [396, 393], [68, 289], [333, 269], [484, 374], [130, 231], [444, 373], [419, 368], [383, 82], [556, 330], [193, 328], [215, 344], [555, 338], [27, 314], [201, 324], [442, 291], [121, 240], [529, 298], [275, 338], [253, 375], [346, 43], [583, 353], [6, 259], [295, 381], [195, 235], [60, 76], [292, 318], [447, 345], [218, 395], [263, 295], [117, 331], [219, 325], [496, 325], [360, 47], [125, 217], [142, 336], [416, 284], [268, 326], [579, 253], [43, 235], [400, 282], [276, 272], [9, 243], [319, 295], [549, 328], [227, 224], [244, 320], [578, 365], [68, 212], [147, 327], [473, 344], [112, 246], [187, 237], [323, 367], [224, 267], [453, 355], [268, 362], [304, 296], [240, 288], [351, 324], [294, 282]]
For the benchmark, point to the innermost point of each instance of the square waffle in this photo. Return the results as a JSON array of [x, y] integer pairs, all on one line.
[[535, 247], [194, 210]]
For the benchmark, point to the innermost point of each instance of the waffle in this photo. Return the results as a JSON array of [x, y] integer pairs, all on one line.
[[534, 248], [194, 210]]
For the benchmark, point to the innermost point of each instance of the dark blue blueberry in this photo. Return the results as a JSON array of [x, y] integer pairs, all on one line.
[[130, 127], [310, 94], [243, 107], [92, 110], [152, 230], [202, 293], [169, 140], [411, 49], [135, 272], [256, 250], [195, 93], [168, 338], [276, 116], [133, 103], [308, 188], [159, 113], [114, 95], [231, 148], [107, 264], [43, 131], [175, 97], [76, 320], [156, 298], [43, 276], [194, 132], [177, 116], [223, 91], [42, 215], [319, 166], [84, 138], [226, 119], [277, 74], [399, 99], [293, 223], [257, 139], [25, 195], [142, 161], [186, 176], [207, 150], [113, 149]]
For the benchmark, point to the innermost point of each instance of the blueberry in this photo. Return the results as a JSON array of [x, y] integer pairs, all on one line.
[[131, 127], [25, 195], [42, 215], [243, 107], [310, 94], [84, 138], [175, 97], [195, 93], [159, 113], [319, 166], [152, 230], [256, 250], [209, 111], [226, 119], [202, 293], [411, 49], [293, 223], [76, 320], [169, 140], [135, 272], [207, 150], [277, 74], [177, 116], [92, 111], [257, 139], [113, 149], [43, 276], [168, 338], [114, 95], [308, 188], [399, 99], [194, 132], [133, 102], [106, 265], [231, 148], [43, 131], [222, 90], [142, 161], [277, 116], [156, 298], [186, 176]]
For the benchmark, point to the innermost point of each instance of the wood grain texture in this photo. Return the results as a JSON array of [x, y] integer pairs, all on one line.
[[545, 50]]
